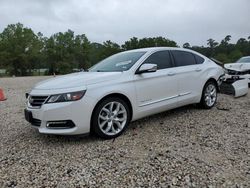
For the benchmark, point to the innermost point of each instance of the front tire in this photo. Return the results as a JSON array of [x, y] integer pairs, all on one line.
[[209, 95], [110, 118]]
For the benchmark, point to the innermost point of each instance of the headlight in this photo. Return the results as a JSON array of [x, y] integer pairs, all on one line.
[[66, 97]]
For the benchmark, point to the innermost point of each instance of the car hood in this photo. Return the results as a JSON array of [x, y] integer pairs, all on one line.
[[238, 66], [77, 80]]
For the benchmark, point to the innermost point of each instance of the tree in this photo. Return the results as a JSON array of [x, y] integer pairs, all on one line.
[[212, 43], [186, 45], [36, 56], [65, 51], [235, 55], [81, 51], [19, 46], [243, 46], [95, 52], [226, 40], [22, 50], [109, 48], [135, 43], [222, 58], [50, 53]]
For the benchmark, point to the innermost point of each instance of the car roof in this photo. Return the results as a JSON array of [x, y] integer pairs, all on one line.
[[153, 49]]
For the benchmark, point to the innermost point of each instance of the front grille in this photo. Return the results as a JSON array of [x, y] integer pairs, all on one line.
[[37, 101], [232, 72]]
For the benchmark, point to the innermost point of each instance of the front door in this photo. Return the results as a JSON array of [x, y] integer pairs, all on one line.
[[157, 91]]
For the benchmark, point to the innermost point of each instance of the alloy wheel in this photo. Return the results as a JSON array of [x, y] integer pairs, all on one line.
[[210, 95], [112, 118]]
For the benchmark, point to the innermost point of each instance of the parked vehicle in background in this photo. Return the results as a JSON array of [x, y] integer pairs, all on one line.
[[240, 69], [123, 88]]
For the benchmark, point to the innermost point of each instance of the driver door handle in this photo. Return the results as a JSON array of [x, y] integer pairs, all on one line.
[[171, 74]]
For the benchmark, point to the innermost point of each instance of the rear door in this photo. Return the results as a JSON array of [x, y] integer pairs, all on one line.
[[189, 72]]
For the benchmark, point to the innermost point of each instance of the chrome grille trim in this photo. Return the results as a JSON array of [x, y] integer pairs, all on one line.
[[36, 101]]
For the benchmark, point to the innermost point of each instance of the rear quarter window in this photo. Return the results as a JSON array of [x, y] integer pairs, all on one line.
[[199, 59]]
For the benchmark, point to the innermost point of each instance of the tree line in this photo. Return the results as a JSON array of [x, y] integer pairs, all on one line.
[[22, 50]]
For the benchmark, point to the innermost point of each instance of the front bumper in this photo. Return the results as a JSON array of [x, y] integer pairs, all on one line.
[[235, 77], [79, 112]]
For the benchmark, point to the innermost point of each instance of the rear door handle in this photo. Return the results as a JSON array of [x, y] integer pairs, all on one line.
[[198, 70], [171, 74]]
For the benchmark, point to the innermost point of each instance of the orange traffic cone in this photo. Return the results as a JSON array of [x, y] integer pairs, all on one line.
[[2, 97]]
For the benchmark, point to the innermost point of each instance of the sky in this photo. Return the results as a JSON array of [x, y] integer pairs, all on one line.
[[192, 21]]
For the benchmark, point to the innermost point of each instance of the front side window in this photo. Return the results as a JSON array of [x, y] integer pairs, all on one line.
[[161, 59], [118, 62], [183, 58]]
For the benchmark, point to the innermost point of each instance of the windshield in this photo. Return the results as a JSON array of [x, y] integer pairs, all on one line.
[[244, 60], [118, 62]]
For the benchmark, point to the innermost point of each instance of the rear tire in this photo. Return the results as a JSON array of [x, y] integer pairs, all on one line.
[[110, 118], [209, 95]]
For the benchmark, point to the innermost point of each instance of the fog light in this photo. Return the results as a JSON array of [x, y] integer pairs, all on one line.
[[65, 124]]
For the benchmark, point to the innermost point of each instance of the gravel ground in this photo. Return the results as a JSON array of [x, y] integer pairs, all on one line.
[[186, 147]]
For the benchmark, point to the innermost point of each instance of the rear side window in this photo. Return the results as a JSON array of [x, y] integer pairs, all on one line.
[[183, 58], [199, 59], [162, 59]]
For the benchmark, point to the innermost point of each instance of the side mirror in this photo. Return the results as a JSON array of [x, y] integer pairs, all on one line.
[[147, 68]]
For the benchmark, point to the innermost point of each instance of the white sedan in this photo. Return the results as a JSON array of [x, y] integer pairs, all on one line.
[[123, 88]]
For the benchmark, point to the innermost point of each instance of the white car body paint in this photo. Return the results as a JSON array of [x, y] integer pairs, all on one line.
[[148, 93], [238, 66], [240, 87]]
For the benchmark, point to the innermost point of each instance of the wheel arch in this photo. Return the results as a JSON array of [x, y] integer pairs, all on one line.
[[201, 103], [211, 79], [119, 95], [214, 81]]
